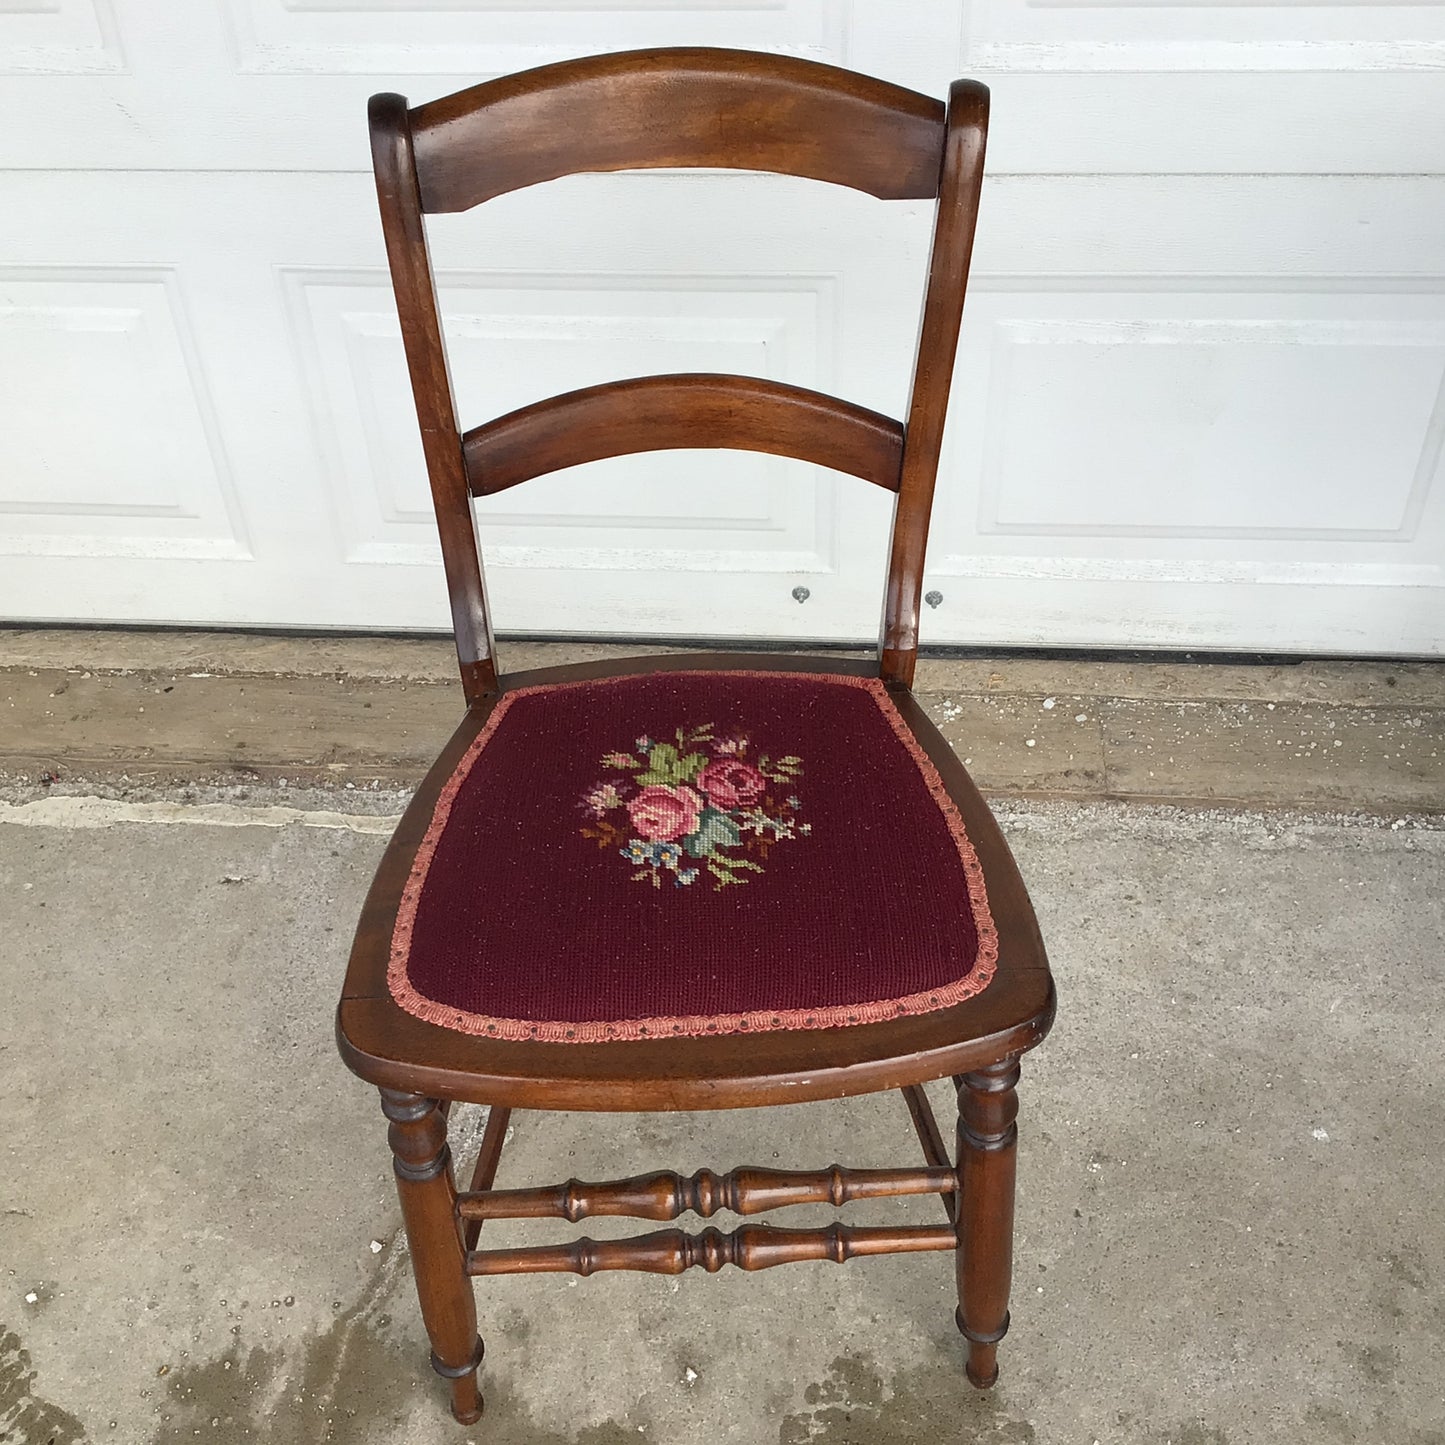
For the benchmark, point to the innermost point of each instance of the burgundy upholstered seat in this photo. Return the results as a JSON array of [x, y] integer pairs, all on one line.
[[689, 853]]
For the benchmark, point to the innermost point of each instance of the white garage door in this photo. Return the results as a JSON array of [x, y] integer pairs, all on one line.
[[1199, 401]]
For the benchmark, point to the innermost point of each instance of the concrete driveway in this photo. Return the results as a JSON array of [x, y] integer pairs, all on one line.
[[1230, 1229]]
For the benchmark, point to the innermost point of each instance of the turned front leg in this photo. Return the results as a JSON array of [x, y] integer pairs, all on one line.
[[423, 1164], [987, 1148]]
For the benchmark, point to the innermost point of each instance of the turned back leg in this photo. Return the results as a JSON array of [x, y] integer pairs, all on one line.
[[428, 1192]]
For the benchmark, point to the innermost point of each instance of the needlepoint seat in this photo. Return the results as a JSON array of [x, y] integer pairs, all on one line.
[[684, 853], [509, 901]]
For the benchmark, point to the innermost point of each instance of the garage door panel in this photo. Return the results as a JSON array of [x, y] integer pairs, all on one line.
[[138, 467], [1057, 234], [1110, 412], [1182, 440], [515, 339], [1152, 35], [278, 85], [59, 37], [305, 367], [1219, 122], [1190, 416], [1198, 401], [448, 37]]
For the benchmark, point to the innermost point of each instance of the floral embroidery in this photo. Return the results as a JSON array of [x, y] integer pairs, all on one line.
[[697, 804]]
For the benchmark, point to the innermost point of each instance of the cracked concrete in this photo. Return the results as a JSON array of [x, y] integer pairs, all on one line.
[[153, 711], [1229, 1225]]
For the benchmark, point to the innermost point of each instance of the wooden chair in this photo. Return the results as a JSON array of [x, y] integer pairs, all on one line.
[[691, 882]]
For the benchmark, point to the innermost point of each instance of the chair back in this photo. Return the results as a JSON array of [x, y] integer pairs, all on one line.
[[729, 109]]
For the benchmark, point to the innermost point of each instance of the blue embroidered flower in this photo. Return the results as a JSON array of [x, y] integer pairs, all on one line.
[[794, 802], [686, 875], [637, 851], [669, 854]]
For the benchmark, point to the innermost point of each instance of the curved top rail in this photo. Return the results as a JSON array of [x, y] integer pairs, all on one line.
[[689, 106], [682, 410]]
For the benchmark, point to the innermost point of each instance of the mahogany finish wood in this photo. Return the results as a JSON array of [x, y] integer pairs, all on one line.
[[930, 1136], [660, 413], [489, 1156], [690, 107], [732, 109], [394, 162], [666, 1195], [953, 229], [987, 1146], [671, 1251], [422, 1162]]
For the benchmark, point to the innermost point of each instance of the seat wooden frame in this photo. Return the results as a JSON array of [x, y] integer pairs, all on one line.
[[720, 108]]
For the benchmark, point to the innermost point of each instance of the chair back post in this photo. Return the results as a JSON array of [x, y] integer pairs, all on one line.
[[957, 215], [394, 161]]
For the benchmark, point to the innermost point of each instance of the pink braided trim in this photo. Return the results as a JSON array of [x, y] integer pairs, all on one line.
[[693, 1025]]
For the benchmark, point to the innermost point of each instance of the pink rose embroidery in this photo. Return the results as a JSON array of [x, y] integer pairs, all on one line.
[[695, 806], [661, 814], [731, 783]]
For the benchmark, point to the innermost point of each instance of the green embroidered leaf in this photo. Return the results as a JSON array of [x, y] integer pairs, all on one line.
[[714, 830], [662, 755], [666, 769], [662, 763], [781, 771]]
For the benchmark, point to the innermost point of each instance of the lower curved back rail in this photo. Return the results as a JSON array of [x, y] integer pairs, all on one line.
[[663, 413]]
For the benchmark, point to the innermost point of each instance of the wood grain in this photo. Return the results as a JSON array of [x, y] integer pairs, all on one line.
[[394, 162], [422, 1162], [953, 231], [680, 107], [659, 413], [930, 1137], [672, 1251], [987, 1150], [489, 1156], [666, 1195], [639, 109]]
